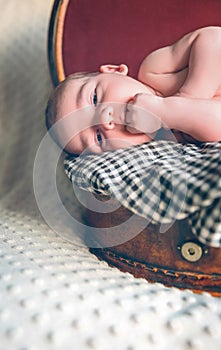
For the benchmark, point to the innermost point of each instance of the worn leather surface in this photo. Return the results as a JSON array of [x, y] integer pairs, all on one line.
[[126, 31], [158, 256]]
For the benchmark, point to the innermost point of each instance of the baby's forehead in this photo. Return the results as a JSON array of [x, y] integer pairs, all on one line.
[[71, 85], [82, 77], [69, 94], [77, 81], [74, 85]]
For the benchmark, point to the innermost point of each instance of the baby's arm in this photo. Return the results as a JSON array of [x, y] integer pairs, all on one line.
[[191, 66], [200, 118], [193, 76]]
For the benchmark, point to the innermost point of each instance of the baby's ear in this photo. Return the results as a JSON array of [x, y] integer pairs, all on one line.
[[110, 68]]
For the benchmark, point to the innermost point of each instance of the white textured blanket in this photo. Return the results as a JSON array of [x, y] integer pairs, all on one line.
[[54, 294]]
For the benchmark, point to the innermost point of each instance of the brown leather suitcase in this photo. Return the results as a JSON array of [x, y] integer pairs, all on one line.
[[82, 36]]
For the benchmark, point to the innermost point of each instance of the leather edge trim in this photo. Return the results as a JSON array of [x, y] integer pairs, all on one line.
[[197, 282]]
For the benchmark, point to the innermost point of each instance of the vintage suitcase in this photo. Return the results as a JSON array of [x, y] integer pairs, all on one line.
[[82, 36]]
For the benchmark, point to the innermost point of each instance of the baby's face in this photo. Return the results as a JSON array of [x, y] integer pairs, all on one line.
[[92, 111]]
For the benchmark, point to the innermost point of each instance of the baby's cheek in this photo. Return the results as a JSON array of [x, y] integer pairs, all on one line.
[[138, 139]]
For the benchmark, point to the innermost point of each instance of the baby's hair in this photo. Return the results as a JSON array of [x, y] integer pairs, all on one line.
[[52, 105], [54, 99]]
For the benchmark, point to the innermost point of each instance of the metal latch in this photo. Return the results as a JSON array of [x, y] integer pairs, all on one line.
[[191, 251]]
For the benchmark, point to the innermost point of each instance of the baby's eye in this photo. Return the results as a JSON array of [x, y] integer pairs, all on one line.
[[99, 137], [95, 98]]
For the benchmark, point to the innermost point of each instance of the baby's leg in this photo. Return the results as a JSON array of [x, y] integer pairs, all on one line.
[[204, 76]]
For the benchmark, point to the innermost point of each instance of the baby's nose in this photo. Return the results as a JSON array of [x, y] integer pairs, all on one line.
[[106, 117]]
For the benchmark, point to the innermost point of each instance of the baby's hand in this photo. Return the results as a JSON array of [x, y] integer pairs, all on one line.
[[141, 116]]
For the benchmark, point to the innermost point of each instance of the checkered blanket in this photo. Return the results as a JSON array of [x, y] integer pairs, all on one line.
[[162, 181]]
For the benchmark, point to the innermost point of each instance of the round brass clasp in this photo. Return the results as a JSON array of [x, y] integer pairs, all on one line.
[[191, 251]]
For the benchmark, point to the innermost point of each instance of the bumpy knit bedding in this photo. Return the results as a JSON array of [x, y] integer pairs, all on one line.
[[161, 181]]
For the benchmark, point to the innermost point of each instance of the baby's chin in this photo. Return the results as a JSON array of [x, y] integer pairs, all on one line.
[[134, 140], [141, 138], [116, 144]]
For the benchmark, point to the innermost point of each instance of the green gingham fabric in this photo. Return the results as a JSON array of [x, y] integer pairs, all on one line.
[[162, 181]]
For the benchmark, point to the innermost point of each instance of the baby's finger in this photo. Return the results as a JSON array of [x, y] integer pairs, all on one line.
[[130, 113]]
